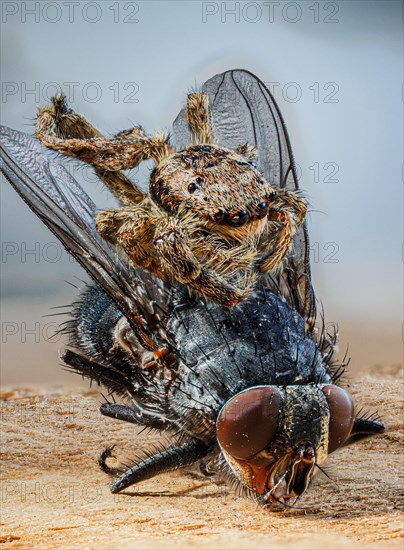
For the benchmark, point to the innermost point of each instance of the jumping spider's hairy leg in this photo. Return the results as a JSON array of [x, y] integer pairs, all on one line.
[[289, 211], [179, 259], [124, 151], [249, 152], [120, 152], [159, 244], [234, 258], [133, 229], [57, 120], [199, 118]]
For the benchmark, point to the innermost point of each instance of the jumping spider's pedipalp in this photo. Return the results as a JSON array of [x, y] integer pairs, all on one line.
[[210, 220]]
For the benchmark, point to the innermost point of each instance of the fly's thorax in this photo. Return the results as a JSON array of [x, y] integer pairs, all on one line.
[[221, 187]]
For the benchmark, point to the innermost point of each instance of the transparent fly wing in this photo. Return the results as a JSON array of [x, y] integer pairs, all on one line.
[[63, 206], [244, 111]]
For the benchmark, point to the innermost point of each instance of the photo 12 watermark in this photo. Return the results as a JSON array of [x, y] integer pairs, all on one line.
[[34, 332], [35, 12], [89, 92], [33, 252], [270, 12]]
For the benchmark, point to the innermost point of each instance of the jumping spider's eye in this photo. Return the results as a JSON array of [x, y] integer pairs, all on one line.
[[272, 195], [239, 219], [219, 216], [261, 208], [192, 187]]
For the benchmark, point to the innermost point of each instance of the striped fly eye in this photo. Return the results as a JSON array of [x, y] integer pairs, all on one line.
[[248, 421], [342, 416]]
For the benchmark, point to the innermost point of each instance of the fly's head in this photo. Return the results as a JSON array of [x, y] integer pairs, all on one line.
[[221, 188], [272, 438]]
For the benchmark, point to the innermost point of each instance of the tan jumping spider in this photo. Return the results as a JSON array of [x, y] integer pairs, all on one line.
[[210, 220]]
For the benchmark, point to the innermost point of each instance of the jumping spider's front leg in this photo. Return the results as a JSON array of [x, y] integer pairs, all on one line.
[[133, 229], [288, 212], [57, 124], [159, 244], [180, 260]]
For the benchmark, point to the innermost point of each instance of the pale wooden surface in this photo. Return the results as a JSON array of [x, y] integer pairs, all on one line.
[[54, 496]]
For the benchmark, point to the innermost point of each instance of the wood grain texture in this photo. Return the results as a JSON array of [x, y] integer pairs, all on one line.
[[54, 496]]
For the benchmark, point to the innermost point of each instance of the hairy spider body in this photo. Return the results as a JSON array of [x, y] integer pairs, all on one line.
[[210, 219]]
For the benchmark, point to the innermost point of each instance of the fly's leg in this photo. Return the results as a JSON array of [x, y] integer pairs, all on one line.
[[288, 213], [167, 460], [111, 379], [133, 416], [57, 120], [179, 260], [365, 427], [102, 461]]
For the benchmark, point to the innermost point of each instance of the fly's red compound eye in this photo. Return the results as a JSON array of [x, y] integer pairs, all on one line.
[[248, 421], [342, 416]]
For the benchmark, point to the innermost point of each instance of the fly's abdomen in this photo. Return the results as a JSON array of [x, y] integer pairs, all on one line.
[[92, 328]]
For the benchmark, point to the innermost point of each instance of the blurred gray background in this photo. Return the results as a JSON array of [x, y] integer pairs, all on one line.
[[335, 69]]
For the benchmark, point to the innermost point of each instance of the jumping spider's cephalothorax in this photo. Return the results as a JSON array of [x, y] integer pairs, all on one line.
[[210, 220]]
